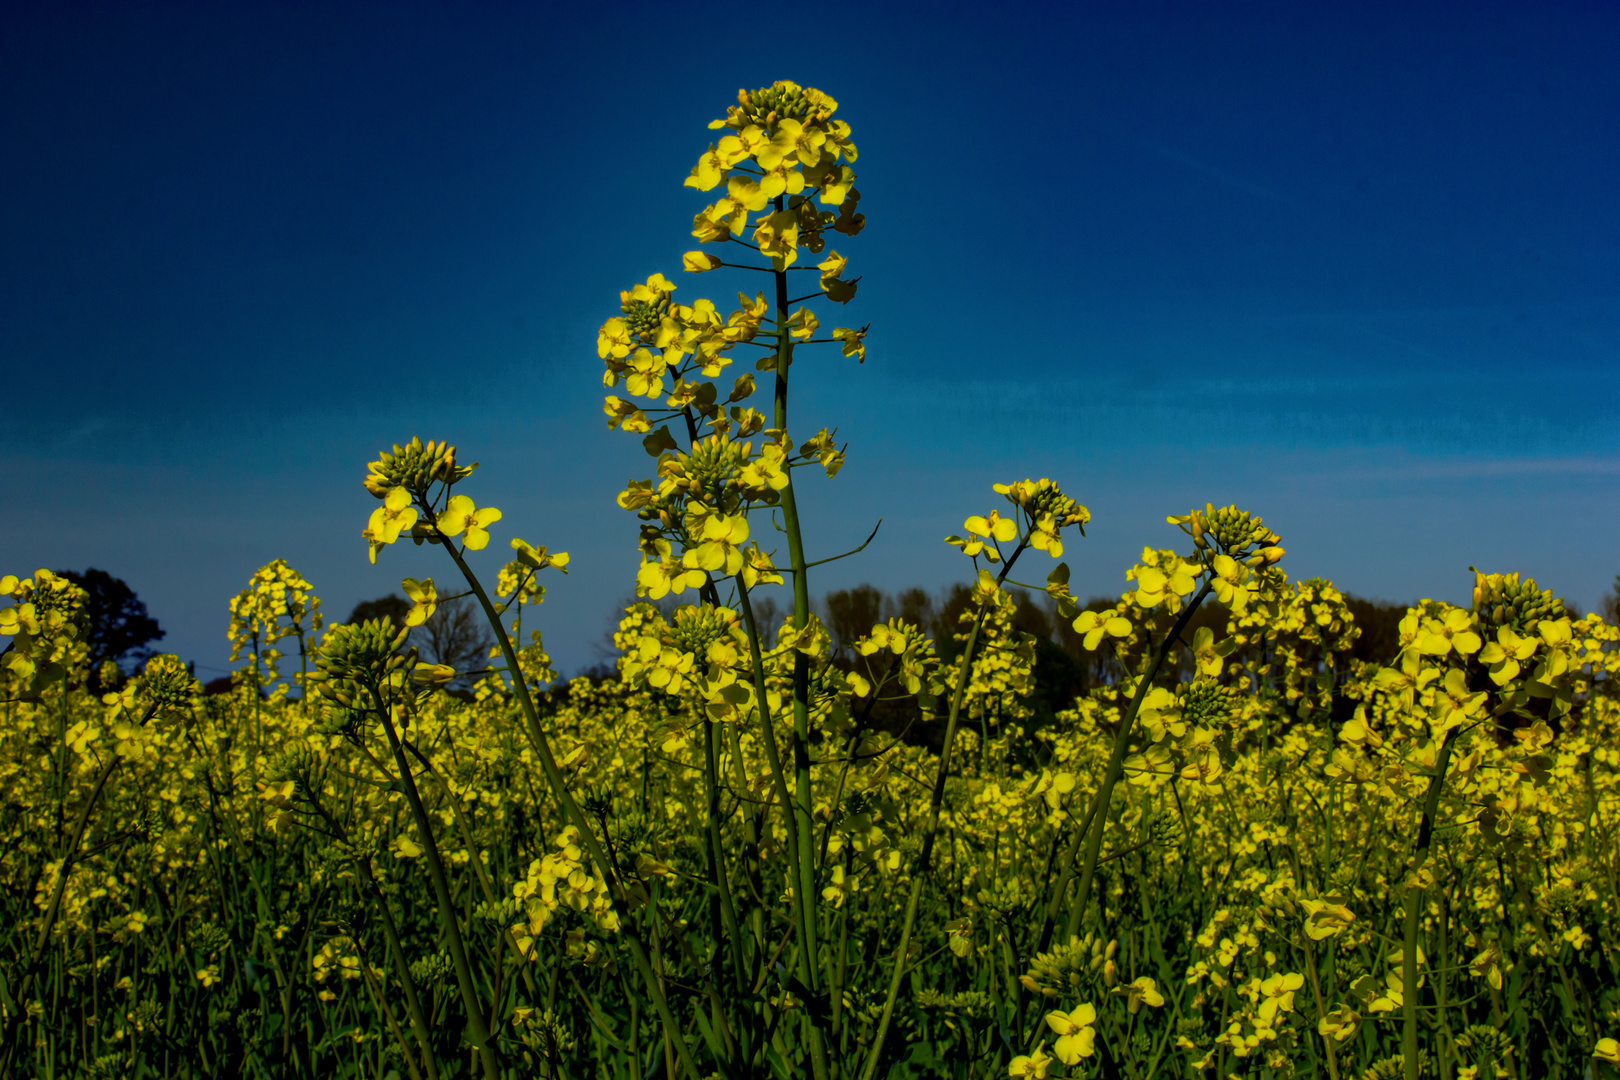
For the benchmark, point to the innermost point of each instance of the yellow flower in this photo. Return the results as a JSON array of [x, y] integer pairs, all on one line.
[[721, 547], [836, 185], [124, 698], [613, 340], [393, 517], [1392, 997], [1505, 654], [664, 573], [697, 262], [1607, 1050], [1555, 632], [1230, 576], [1207, 654], [854, 341], [19, 619], [1324, 919], [1093, 626], [462, 516], [1439, 637], [644, 374], [657, 288], [1279, 990], [1340, 1022], [1143, 991], [1036, 1065], [832, 269], [803, 324], [983, 529], [767, 472], [621, 413], [539, 558], [1003, 529], [424, 600], [1162, 575], [717, 222], [208, 976], [1453, 704], [1488, 964], [777, 236], [757, 568], [404, 847], [838, 888], [1076, 1037], [711, 168]]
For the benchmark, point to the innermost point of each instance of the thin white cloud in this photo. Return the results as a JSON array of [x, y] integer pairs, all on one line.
[[1489, 468], [1231, 179]]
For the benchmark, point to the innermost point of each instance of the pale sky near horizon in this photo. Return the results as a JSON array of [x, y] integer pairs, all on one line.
[[1353, 266]]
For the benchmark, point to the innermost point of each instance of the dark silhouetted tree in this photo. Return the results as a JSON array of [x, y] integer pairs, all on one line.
[[915, 606], [946, 623], [768, 616], [851, 613], [117, 625], [1380, 624], [1610, 604], [456, 634], [392, 607]]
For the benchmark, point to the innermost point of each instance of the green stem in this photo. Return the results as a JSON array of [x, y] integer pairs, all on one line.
[[477, 1030], [802, 911], [396, 950], [1070, 854], [963, 677], [593, 846], [69, 857], [1414, 905], [388, 1014], [1321, 1010], [1116, 762], [805, 883], [717, 872], [479, 873]]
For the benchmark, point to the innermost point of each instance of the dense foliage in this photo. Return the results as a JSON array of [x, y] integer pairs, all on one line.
[[1239, 845]]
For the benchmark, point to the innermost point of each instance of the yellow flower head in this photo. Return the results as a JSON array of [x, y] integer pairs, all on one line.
[[424, 600], [462, 516], [1340, 1023], [1143, 991], [1076, 1037], [1036, 1066], [1162, 575], [1324, 918], [1093, 626], [393, 517], [415, 466]]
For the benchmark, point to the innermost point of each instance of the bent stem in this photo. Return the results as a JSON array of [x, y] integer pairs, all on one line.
[[477, 1030], [593, 845]]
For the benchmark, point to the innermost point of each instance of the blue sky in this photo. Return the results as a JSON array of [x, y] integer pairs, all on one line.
[[1355, 267]]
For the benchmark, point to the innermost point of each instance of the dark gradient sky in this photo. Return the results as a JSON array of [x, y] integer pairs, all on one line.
[[1354, 266]]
